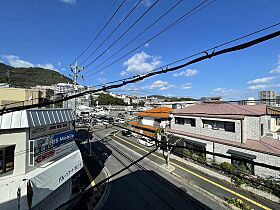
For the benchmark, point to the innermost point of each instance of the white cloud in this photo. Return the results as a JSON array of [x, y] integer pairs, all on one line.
[[186, 73], [161, 85], [69, 1], [276, 70], [261, 80], [141, 63], [16, 61], [167, 87], [158, 84], [228, 93], [47, 66], [262, 87], [186, 86]]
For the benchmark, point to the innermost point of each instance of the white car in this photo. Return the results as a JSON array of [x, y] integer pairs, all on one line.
[[121, 121], [146, 141]]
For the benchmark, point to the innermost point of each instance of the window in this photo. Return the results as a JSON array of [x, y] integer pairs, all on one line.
[[179, 121], [268, 123], [192, 122], [53, 127], [219, 125], [262, 129], [230, 126], [7, 158], [183, 121]]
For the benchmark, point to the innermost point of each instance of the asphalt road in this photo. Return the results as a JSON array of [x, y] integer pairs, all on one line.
[[210, 184], [144, 186]]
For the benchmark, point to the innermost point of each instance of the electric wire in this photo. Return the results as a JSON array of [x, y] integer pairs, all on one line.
[[146, 29], [126, 31], [162, 71], [135, 6], [107, 23], [174, 23]]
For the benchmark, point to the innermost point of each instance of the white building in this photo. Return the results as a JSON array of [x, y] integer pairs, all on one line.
[[244, 131], [38, 158], [63, 88], [174, 104]]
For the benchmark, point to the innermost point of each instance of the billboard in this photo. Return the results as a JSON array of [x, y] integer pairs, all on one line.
[[50, 147]]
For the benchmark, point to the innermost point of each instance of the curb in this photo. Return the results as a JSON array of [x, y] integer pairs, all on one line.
[[106, 192]]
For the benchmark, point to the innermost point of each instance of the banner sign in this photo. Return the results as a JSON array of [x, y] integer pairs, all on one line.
[[52, 146]]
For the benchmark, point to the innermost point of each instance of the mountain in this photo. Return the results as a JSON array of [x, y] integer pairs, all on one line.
[[29, 77]]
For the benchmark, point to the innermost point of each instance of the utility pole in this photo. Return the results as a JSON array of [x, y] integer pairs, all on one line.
[[75, 69]]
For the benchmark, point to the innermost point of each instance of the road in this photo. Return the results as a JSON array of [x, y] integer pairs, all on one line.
[[210, 184], [144, 186]]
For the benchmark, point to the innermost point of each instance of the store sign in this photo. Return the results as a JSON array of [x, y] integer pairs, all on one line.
[[51, 146], [44, 130], [71, 172]]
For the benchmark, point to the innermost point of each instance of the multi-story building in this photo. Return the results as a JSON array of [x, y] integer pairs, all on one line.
[[246, 131], [174, 104], [268, 97], [63, 88], [150, 121], [39, 159], [12, 97]]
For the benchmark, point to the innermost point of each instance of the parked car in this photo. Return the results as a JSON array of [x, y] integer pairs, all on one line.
[[126, 133], [146, 141]]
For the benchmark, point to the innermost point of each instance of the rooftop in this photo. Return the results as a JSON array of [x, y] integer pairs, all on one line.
[[226, 110], [35, 117], [161, 112]]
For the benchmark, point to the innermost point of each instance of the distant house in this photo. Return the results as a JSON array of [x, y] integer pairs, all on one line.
[[246, 131], [148, 122]]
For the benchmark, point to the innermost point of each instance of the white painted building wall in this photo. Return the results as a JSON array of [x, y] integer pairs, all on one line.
[[148, 121]]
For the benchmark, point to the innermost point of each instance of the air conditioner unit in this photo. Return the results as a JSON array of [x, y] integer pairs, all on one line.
[[272, 135]]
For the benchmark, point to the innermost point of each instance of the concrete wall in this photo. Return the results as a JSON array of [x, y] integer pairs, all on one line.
[[11, 95], [147, 121], [274, 127], [18, 137], [199, 129]]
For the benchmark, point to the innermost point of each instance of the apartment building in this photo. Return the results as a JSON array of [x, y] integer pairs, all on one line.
[[12, 97], [148, 122], [247, 131], [39, 159], [268, 97], [174, 104]]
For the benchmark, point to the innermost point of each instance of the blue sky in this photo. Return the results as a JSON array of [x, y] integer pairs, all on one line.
[[52, 33]]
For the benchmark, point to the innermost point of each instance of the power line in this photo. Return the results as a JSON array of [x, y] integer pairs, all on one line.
[[116, 11], [123, 33], [277, 168], [179, 20], [138, 78], [163, 15], [113, 31], [212, 48]]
